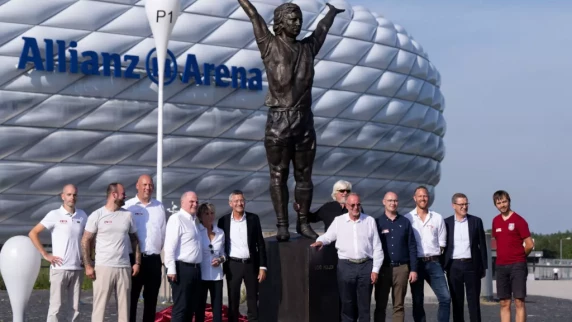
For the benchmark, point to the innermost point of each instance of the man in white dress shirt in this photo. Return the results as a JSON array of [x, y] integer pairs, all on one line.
[[431, 236], [66, 225], [360, 257], [183, 257], [150, 220]]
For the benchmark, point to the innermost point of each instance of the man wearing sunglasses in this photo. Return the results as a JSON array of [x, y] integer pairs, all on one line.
[[360, 256]]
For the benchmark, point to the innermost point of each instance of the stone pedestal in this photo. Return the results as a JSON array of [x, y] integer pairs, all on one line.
[[301, 284]]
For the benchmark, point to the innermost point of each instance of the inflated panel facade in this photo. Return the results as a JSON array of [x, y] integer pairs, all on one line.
[[377, 103]]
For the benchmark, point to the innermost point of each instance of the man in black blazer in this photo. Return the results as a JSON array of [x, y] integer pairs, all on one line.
[[465, 259], [246, 256]]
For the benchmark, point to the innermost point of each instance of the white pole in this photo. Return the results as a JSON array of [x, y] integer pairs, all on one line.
[[162, 16], [487, 285]]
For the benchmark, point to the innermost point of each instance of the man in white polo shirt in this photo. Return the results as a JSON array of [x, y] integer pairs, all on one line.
[[66, 225], [149, 217], [108, 226], [431, 237]]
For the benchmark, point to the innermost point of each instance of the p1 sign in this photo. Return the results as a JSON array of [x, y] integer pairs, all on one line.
[[162, 16]]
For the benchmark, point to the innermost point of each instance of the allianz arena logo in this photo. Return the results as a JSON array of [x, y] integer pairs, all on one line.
[[105, 64]]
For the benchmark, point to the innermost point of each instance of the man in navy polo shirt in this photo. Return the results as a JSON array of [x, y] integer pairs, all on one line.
[[510, 231], [400, 262]]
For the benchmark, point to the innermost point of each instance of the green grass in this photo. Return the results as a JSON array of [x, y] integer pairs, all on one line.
[[43, 280]]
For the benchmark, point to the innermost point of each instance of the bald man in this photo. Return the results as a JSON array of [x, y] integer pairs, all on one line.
[[66, 225], [150, 219], [400, 261], [183, 257]]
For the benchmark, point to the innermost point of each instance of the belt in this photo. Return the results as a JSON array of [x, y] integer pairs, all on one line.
[[358, 261], [463, 259], [240, 260], [395, 264], [429, 259], [150, 255], [195, 265]]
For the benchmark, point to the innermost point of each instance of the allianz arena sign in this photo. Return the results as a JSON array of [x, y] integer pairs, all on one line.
[[236, 77]]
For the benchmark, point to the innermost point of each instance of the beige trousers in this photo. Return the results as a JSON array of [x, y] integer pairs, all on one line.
[[107, 280], [69, 282]]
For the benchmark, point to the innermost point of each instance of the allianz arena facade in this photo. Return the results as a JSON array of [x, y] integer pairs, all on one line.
[[377, 104]]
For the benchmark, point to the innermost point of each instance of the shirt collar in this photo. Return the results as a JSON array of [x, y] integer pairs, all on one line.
[[461, 221], [243, 218], [65, 212], [184, 212], [414, 213], [387, 218], [347, 216], [139, 202]]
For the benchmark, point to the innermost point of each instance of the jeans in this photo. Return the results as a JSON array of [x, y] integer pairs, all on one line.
[[432, 272]]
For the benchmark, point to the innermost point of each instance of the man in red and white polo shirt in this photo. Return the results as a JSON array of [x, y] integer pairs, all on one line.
[[510, 231]]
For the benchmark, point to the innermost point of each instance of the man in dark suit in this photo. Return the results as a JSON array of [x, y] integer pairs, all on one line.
[[246, 253], [465, 259]]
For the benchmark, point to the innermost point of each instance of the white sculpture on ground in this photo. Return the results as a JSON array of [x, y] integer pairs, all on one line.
[[19, 265]]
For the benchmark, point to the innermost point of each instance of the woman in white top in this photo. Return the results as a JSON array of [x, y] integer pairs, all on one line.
[[212, 239]]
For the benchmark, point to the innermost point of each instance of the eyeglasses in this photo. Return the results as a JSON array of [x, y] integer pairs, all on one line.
[[354, 205], [462, 204], [344, 190], [211, 247]]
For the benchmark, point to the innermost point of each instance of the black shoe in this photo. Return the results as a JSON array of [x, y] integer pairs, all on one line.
[[283, 234]]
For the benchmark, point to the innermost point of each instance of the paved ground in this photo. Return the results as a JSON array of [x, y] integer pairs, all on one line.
[[540, 309]]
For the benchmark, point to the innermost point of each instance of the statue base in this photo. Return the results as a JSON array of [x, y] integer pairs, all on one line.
[[301, 283]]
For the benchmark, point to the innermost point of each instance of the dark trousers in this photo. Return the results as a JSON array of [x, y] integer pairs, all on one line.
[[432, 272], [396, 279], [461, 276], [237, 272], [354, 283], [186, 292], [215, 288], [149, 278]]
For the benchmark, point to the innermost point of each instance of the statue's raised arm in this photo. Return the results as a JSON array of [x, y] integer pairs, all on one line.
[[258, 23], [324, 26]]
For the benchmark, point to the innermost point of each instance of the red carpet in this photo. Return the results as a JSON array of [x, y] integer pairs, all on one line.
[[165, 315]]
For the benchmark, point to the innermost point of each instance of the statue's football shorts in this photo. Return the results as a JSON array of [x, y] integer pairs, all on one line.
[[290, 127]]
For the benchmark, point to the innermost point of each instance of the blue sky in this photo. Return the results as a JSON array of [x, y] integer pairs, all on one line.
[[506, 70]]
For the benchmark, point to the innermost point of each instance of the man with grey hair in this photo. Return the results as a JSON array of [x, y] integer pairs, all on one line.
[[183, 257], [246, 251]]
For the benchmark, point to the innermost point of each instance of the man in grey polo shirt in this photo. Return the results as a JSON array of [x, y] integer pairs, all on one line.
[[108, 226], [66, 225]]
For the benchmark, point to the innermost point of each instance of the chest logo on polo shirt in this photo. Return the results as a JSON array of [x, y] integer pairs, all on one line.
[[63, 221], [108, 222], [138, 214], [385, 231], [511, 226], [498, 230], [79, 221]]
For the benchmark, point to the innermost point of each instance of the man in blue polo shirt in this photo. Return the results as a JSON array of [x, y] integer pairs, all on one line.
[[400, 262]]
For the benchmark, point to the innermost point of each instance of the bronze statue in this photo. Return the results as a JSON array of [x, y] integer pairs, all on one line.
[[290, 134]]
